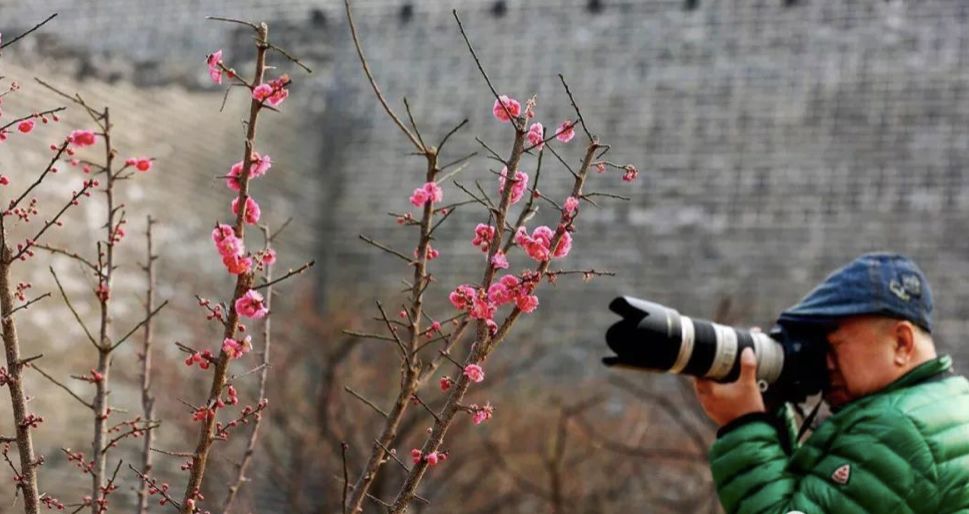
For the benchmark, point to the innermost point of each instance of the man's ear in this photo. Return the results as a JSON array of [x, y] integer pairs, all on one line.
[[904, 336]]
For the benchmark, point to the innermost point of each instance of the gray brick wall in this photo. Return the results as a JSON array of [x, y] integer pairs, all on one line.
[[776, 141]]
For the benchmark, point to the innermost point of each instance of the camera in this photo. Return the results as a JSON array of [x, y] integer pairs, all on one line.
[[791, 359]]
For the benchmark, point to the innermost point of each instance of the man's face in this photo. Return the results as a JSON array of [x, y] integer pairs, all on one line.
[[860, 358]]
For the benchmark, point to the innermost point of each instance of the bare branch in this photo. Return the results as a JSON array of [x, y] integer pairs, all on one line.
[[62, 386], [576, 107], [28, 304], [387, 249], [451, 133], [373, 82], [74, 311], [139, 325], [290, 273], [18, 38], [364, 400]]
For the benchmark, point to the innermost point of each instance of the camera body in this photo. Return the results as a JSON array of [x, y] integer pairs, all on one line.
[[791, 361]]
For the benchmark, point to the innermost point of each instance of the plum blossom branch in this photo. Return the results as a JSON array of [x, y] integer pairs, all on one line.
[[288, 274], [70, 306], [147, 399], [153, 485], [35, 27], [68, 253], [264, 368], [385, 248], [31, 116], [447, 136], [88, 184], [477, 61], [373, 83], [251, 25], [62, 386], [27, 305], [40, 178], [366, 401], [140, 324], [576, 107], [368, 335]]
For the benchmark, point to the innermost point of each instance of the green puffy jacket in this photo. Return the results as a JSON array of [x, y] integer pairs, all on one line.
[[904, 449]]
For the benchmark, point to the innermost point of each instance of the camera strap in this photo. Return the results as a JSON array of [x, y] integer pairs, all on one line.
[[809, 419]]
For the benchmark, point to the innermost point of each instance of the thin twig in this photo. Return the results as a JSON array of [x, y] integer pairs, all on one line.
[[403, 350], [451, 133], [251, 25], [62, 386], [481, 69], [364, 400], [74, 311], [290, 273], [18, 38], [28, 304], [72, 255], [139, 325], [386, 249], [452, 163], [289, 56], [373, 82], [346, 474], [413, 123], [577, 111]]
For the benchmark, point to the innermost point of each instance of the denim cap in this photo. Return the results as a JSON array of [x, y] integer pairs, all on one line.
[[886, 284]]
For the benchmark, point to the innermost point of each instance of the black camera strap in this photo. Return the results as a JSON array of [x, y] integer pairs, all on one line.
[[809, 419]]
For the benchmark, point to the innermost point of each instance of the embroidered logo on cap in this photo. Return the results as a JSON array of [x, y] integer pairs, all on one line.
[[907, 287], [842, 474]]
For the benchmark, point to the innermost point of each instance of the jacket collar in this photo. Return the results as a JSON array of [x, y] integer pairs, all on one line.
[[925, 371]]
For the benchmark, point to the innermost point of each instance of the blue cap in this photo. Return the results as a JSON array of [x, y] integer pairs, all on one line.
[[886, 284]]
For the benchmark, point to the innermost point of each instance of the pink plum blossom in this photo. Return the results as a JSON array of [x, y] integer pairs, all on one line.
[[272, 93], [483, 234], [251, 305], [518, 188], [481, 414], [499, 260], [235, 349], [252, 210], [474, 373], [511, 106], [565, 132], [538, 244], [492, 326], [141, 164], [446, 383], [82, 138], [630, 174], [527, 303], [462, 296], [215, 71], [536, 136], [269, 257], [482, 308], [431, 253], [25, 126], [434, 458], [571, 203], [259, 165], [428, 193]]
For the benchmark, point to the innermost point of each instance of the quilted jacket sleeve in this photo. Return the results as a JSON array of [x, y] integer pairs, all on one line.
[[885, 466]]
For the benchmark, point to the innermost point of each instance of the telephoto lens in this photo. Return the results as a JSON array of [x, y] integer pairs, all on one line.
[[657, 338]]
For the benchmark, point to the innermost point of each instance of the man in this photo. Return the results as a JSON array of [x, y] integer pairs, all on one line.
[[898, 441]]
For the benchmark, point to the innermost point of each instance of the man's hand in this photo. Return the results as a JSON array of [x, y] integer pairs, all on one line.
[[724, 403]]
